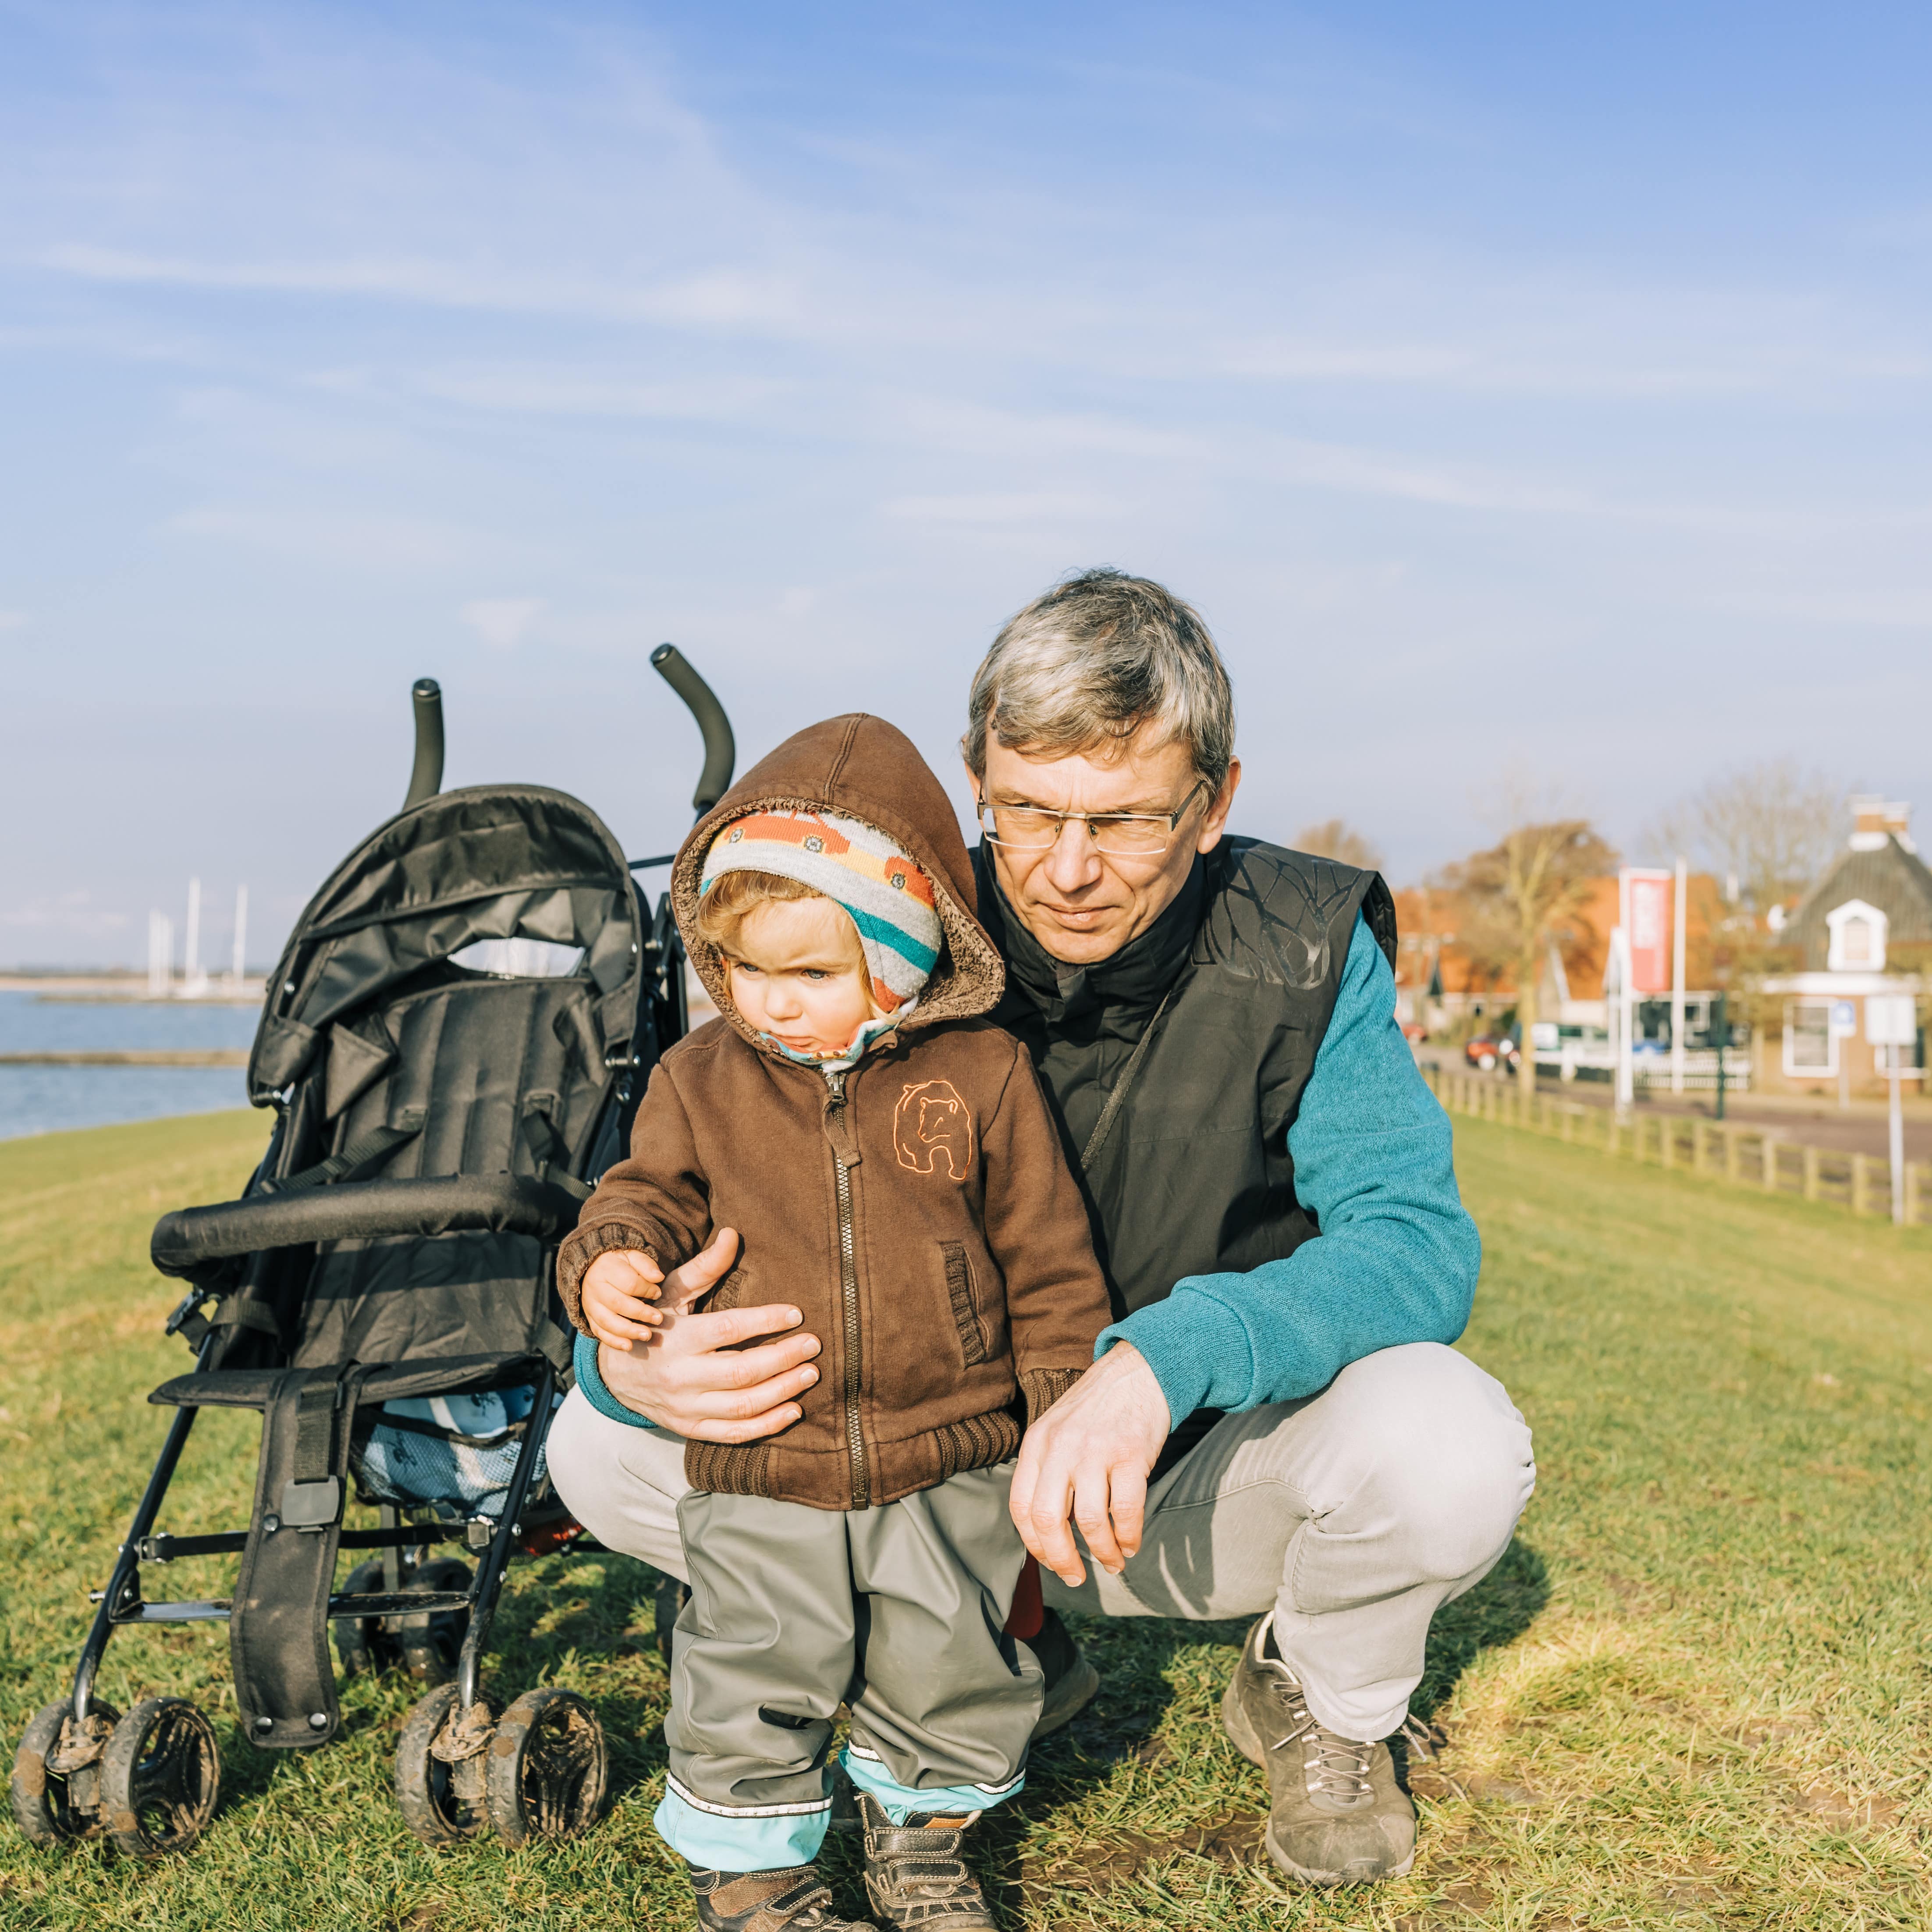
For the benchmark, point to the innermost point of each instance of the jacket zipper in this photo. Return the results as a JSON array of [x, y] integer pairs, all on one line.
[[848, 1283]]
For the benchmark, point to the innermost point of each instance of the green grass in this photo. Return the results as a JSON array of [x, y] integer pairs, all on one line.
[[1695, 1693]]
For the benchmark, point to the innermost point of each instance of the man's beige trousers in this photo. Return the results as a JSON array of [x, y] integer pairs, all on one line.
[[1353, 1515]]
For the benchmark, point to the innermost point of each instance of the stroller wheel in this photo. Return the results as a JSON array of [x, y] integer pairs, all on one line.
[[56, 1784], [160, 1777], [423, 1643], [440, 1761], [431, 1640], [548, 1768], [363, 1644]]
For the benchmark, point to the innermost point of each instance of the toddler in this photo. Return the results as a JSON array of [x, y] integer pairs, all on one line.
[[887, 1163]]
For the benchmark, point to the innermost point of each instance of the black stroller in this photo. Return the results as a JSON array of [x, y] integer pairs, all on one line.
[[455, 1043]]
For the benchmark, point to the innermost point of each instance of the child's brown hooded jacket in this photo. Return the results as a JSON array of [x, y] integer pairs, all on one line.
[[917, 1210]]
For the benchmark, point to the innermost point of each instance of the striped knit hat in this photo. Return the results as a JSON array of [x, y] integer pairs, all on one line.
[[889, 899]]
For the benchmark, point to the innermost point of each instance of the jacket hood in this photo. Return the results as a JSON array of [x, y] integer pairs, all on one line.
[[868, 770]]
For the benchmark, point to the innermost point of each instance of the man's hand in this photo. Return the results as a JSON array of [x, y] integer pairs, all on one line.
[[619, 1288], [1088, 1457], [692, 1376]]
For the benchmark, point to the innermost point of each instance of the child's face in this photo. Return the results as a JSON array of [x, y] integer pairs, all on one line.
[[795, 972]]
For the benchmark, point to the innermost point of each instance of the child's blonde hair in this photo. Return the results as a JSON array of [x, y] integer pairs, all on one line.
[[733, 897]]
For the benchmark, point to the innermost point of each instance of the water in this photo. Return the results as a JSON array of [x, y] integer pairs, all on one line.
[[41, 1099]]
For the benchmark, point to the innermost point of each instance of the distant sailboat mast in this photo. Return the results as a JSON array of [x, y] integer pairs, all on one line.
[[241, 965], [194, 981], [160, 954]]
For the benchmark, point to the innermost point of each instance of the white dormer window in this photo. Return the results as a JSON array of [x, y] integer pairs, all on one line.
[[1858, 938]]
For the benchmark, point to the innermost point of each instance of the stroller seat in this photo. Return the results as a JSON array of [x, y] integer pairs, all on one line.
[[481, 1076]]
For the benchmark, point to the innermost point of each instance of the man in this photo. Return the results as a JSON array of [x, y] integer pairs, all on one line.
[[1276, 1426]]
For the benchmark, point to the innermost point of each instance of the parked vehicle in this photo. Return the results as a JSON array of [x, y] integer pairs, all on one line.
[[1487, 1052]]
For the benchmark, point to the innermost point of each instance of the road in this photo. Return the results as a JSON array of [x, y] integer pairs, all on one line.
[[1860, 1129]]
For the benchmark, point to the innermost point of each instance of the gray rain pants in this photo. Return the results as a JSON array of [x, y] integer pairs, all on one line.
[[1353, 1514], [896, 1611]]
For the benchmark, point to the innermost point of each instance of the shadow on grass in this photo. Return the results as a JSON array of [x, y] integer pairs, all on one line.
[[1145, 1663], [1496, 1611]]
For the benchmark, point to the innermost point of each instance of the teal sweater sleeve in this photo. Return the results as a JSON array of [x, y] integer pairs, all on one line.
[[591, 1384], [1397, 1256]]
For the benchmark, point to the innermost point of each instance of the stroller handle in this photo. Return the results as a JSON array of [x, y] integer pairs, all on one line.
[[720, 750], [426, 775]]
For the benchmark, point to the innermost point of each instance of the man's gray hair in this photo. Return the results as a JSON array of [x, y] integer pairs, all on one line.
[[1088, 664]]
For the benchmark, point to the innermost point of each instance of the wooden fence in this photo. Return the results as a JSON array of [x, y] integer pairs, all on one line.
[[1746, 1156]]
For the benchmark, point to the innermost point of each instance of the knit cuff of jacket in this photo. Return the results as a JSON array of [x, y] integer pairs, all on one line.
[[582, 1247], [590, 1384], [1043, 1387]]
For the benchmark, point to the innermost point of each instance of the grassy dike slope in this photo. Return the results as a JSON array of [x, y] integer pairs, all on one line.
[[1695, 1692]]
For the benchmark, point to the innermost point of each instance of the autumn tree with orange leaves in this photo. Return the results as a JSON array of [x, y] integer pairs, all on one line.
[[1522, 895]]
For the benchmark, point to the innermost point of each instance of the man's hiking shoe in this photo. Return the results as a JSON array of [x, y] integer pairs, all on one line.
[[791, 1901], [1338, 1816], [914, 1874], [1071, 1681]]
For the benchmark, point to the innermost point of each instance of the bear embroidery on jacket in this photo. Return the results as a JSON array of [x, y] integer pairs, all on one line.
[[930, 1120]]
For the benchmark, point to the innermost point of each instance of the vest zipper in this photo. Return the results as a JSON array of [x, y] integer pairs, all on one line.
[[848, 1284]]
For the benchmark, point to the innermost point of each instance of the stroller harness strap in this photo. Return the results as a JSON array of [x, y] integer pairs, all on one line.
[[363, 1152], [278, 1630]]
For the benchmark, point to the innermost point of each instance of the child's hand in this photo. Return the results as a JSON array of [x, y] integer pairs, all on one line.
[[619, 1288]]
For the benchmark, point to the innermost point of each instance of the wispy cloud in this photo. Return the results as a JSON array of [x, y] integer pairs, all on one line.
[[539, 392], [340, 538], [1898, 610], [726, 298], [1001, 507], [502, 622]]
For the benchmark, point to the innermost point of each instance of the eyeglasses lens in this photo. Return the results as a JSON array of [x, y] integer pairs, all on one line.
[[1023, 831]]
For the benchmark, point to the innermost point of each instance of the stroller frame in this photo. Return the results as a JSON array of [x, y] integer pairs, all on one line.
[[150, 1780]]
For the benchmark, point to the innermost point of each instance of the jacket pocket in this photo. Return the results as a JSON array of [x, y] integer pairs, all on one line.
[[959, 1292]]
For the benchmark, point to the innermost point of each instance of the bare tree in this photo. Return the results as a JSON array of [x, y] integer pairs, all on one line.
[[1521, 896], [1772, 826], [1336, 838]]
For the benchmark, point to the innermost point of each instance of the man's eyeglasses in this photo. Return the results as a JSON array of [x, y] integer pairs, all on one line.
[[1120, 835]]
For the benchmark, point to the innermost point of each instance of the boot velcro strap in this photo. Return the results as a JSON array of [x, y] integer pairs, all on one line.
[[900, 1841], [774, 1899], [917, 1871]]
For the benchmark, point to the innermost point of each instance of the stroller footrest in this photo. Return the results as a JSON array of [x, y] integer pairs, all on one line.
[[278, 1631]]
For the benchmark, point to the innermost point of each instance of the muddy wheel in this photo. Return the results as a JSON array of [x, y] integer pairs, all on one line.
[[440, 1763], [430, 1641], [160, 1777], [548, 1768], [56, 1784]]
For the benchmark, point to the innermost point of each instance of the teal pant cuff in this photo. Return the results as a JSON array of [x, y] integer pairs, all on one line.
[[768, 1838], [867, 1771]]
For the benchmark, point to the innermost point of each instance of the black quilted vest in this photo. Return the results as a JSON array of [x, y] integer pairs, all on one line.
[[1195, 1176]]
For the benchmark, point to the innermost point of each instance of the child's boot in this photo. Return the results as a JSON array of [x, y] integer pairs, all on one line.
[[790, 1900], [915, 1875]]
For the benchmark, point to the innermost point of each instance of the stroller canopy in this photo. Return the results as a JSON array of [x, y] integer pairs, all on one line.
[[490, 861]]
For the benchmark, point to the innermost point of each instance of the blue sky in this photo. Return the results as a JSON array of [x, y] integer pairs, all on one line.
[[1524, 395]]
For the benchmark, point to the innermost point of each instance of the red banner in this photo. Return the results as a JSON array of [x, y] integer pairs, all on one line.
[[1648, 914]]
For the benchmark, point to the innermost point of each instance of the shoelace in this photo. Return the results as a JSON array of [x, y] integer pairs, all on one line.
[[1335, 1767]]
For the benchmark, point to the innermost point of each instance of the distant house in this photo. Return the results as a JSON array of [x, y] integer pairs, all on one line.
[[1438, 981], [1864, 928]]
